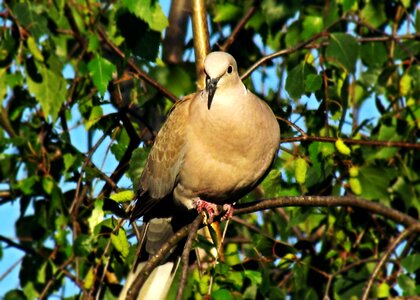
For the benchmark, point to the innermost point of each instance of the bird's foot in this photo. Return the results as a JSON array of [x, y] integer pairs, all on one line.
[[212, 210], [228, 209], [208, 207]]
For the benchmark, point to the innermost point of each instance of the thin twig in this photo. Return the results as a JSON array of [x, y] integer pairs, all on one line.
[[391, 248], [10, 269], [301, 131], [238, 28], [186, 254], [289, 50]]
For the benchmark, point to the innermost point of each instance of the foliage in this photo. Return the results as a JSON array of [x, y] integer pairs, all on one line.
[[78, 115]]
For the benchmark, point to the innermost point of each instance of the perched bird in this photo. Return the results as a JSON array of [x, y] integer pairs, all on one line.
[[215, 146]]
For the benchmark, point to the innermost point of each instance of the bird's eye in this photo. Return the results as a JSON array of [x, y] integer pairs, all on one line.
[[229, 69]]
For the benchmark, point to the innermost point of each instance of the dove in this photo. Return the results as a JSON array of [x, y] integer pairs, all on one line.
[[215, 146]]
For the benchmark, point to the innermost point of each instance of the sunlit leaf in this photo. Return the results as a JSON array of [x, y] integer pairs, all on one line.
[[120, 242], [222, 294], [374, 13], [149, 11], [97, 215], [101, 71], [123, 196], [50, 91], [226, 12]]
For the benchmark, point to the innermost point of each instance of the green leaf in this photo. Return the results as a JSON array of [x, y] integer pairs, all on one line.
[[137, 162], [235, 278], [95, 115], [83, 245], [408, 285], [149, 11], [406, 3], [48, 184], [137, 34], [295, 82], [26, 185], [93, 44], [97, 215], [405, 84], [50, 92], [69, 161], [386, 133], [411, 263], [226, 12], [374, 13], [232, 254], [15, 295], [31, 20], [374, 54], [254, 276], [34, 49], [30, 291], [313, 83], [350, 5], [375, 182], [101, 71], [221, 294], [311, 26], [120, 242], [89, 279], [123, 196], [41, 273], [342, 51]]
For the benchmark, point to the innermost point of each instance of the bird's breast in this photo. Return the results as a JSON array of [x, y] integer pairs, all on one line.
[[227, 154]]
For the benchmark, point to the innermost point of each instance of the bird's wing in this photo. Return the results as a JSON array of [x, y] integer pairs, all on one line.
[[165, 159]]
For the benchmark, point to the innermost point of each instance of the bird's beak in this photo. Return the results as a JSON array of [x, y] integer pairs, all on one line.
[[211, 85]]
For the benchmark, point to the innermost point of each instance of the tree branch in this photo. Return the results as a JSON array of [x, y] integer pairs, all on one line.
[[186, 254], [201, 39], [286, 51], [327, 201]]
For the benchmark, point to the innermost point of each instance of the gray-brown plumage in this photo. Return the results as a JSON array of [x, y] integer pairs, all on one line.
[[216, 145]]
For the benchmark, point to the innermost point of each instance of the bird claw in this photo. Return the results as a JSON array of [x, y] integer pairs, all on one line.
[[212, 210], [228, 209]]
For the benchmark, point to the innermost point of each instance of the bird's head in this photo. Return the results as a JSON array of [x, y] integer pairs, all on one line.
[[221, 71]]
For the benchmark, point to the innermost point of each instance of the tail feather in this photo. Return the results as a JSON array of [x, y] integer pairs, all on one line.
[[157, 284]]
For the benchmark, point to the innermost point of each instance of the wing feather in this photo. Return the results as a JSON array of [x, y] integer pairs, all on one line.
[[165, 159]]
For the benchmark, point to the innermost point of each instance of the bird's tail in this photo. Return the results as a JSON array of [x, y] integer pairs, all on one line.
[[155, 234]]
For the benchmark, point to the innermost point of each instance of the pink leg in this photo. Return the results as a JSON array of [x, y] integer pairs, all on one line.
[[228, 208], [212, 210], [208, 207]]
